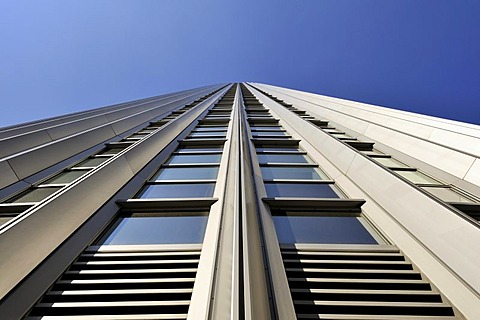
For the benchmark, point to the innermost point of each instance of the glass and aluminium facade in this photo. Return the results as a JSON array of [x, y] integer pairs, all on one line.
[[240, 201]]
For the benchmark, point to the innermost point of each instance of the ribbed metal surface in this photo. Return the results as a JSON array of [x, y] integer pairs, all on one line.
[[360, 284], [125, 284]]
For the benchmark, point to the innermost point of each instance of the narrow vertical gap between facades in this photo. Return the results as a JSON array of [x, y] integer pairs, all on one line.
[[241, 269], [247, 155]]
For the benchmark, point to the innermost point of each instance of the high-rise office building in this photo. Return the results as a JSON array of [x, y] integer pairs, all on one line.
[[240, 201]]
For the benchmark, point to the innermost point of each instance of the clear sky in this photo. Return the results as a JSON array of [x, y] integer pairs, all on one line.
[[59, 57]]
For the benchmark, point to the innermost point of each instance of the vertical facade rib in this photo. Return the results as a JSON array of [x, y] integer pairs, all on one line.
[[239, 201]]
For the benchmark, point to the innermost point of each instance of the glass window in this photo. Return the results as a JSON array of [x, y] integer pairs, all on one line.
[[217, 117], [447, 194], [281, 158], [219, 112], [342, 136], [390, 163], [191, 149], [372, 152], [195, 158], [316, 229], [301, 190], [111, 151], [187, 173], [137, 136], [332, 130], [268, 133], [286, 149], [35, 195], [259, 114], [210, 129], [307, 173], [206, 134], [270, 128], [66, 177], [91, 162], [151, 229], [417, 177], [178, 190]]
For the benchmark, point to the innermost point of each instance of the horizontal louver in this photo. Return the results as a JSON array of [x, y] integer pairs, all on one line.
[[128, 284], [360, 284]]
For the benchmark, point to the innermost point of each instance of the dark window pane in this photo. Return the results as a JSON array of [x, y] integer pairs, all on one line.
[[137, 136], [111, 151], [35, 195], [195, 173], [66, 177], [341, 135], [282, 158], [302, 190], [157, 230], [204, 134], [190, 149], [91, 162], [340, 230], [288, 149], [270, 128], [267, 133], [179, 190], [309, 173], [200, 158], [210, 129]]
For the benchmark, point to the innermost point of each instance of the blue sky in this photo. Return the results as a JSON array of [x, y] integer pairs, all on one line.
[[58, 57]]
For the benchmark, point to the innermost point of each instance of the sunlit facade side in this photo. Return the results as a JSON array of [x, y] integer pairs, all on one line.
[[240, 201]]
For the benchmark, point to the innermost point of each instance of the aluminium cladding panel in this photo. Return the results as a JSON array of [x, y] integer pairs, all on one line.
[[454, 153], [31, 139], [7, 174], [31, 161], [14, 130], [421, 124], [32, 238], [431, 227]]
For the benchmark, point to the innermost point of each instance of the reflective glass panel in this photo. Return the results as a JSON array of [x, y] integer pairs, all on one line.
[[271, 128], [390, 163], [156, 230], [282, 158], [447, 194], [35, 195], [66, 177], [206, 134], [191, 173], [178, 190], [301, 190], [342, 136], [332, 130], [417, 177], [372, 152], [112, 151], [268, 133], [137, 136], [91, 162], [287, 149], [190, 149], [312, 229], [197, 158], [307, 173], [210, 129]]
